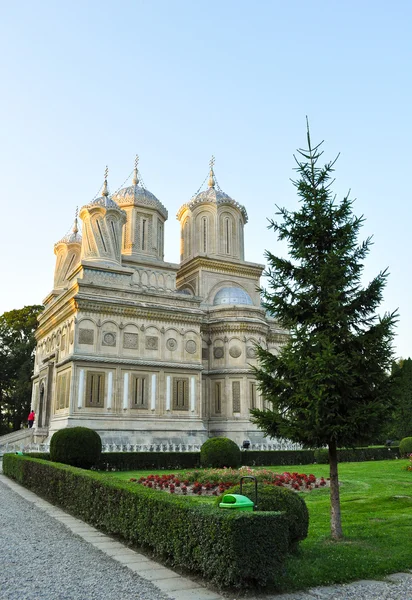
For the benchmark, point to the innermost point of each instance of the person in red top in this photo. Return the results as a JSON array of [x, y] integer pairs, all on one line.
[[30, 418]]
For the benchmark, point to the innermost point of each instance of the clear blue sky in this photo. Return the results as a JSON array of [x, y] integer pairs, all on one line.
[[85, 84]]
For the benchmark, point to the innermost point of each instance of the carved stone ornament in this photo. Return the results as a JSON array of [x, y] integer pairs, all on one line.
[[109, 338], [152, 343], [71, 338], [250, 352], [235, 351], [86, 336], [191, 346], [218, 352], [236, 396], [171, 344], [130, 341], [63, 342]]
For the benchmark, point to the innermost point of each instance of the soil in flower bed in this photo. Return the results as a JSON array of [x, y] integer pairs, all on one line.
[[214, 482]]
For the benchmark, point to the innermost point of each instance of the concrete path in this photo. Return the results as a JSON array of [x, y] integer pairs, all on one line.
[[152, 576]]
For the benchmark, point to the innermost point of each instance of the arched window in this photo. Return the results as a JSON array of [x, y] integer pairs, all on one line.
[[144, 234], [160, 240], [185, 240]]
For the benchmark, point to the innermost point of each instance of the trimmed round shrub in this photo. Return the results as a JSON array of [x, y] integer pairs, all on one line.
[[272, 497], [76, 446], [219, 452], [405, 446]]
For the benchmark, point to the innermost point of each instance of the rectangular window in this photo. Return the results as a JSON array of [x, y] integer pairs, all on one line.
[[95, 389], [62, 390], [180, 393], [253, 395], [218, 397], [140, 391], [67, 391]]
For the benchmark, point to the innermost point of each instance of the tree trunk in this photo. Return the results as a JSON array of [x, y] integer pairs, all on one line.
[[335, 518]]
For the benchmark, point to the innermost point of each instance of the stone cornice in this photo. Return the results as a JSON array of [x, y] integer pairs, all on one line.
[[236, 328], [220, 265], [130, 296], [159, 364], [140, 262], [95, 266], [278, 337], [59, 312], [122, 307], [229, 371]]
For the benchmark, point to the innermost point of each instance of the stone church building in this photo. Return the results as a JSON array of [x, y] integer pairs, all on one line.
[[146, 351]]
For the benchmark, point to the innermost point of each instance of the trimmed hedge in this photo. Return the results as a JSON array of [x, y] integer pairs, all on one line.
[[142, 461], [265, 458], [131, 461], [271, 497], [357, 454], [230, 548]]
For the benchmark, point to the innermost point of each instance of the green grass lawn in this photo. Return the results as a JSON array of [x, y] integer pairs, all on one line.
[[376, 503]]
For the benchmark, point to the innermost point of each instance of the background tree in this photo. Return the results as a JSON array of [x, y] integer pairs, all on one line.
[[401, 418], [17, 343], [330, 384]]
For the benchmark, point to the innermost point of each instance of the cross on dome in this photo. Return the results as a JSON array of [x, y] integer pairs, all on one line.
[[135, 172], [105, 190], [211, 182]]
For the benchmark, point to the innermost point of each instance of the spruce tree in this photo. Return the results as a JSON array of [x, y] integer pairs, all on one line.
[[330, 385], [401, 425]]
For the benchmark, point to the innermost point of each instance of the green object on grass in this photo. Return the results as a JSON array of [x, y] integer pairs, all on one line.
[[237, 502]]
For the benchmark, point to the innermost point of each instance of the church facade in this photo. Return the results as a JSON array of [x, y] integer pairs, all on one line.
[[142, 350]]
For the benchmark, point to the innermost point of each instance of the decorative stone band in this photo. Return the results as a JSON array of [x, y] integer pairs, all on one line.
[[250, 270], [228, 372], [128, 361], [128, 308]]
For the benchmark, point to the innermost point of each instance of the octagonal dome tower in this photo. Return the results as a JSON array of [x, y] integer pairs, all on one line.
[[143, 235], [67, 252], [103, 221], [212, 224]]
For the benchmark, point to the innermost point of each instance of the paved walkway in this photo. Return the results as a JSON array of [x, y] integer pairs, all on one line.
[[148, 579]]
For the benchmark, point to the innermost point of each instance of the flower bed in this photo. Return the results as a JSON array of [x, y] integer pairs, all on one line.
[[214, 482]]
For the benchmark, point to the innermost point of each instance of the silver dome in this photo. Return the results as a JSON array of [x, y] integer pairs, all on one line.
[[232, 295], [213, 196], [137, 195], [70, 238], [105, 201], [73, 237]]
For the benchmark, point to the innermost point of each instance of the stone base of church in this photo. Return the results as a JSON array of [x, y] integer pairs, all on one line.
[[139, 432], [149, 432], [238, 431]]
